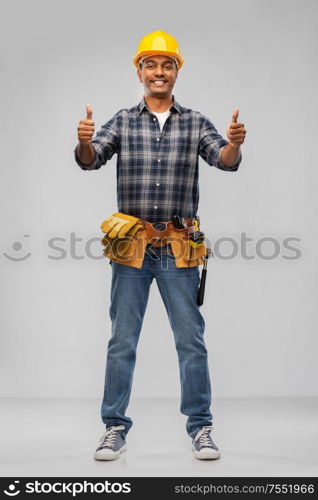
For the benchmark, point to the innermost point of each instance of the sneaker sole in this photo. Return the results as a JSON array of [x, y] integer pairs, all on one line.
[[99, 455], [207, 455]]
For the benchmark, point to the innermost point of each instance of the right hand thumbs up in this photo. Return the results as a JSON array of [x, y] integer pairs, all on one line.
[[86, 127], [89, 112]]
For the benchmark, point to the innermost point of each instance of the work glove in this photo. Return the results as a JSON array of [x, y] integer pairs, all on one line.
[[119, 225], [116, 225]]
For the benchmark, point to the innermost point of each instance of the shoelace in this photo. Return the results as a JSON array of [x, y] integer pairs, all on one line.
[[110, 435], [204, 436]]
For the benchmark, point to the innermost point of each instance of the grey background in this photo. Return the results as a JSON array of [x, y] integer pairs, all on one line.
[[261, 320]]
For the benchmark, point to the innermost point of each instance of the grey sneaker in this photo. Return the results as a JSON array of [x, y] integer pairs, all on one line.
[[111, 444], [203, 446]]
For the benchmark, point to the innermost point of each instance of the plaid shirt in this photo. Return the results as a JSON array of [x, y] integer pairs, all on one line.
[[157, 172]]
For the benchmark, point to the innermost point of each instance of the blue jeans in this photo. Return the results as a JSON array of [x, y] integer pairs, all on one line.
[[178, 288]]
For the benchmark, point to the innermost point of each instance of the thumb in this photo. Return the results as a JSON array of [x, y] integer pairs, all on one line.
[[235, 115], [89, 112]]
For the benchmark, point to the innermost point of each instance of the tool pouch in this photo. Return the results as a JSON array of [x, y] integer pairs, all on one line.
[[185, 255], [179, 239]]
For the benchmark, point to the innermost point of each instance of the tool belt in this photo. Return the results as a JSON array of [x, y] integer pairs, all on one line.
[[126, 238]]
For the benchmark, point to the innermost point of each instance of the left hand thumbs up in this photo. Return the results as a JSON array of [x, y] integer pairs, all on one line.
[[236, 131], [235, 115]]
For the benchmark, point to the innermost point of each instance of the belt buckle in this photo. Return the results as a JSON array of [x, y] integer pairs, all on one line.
[[159, 226]]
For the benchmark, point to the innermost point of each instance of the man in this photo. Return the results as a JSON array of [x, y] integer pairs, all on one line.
[[158, 143]]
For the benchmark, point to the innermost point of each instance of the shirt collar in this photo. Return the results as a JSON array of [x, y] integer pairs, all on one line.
[[175, 105]]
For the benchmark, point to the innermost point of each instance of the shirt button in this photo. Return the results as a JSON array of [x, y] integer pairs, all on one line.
[[158, 139], [155, 206], [157, 183], [154, 119], [159, 159]]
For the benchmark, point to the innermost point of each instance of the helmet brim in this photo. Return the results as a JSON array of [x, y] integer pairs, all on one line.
[[173, 55]]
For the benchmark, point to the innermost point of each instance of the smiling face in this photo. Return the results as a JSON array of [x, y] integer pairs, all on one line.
[[158, 75]]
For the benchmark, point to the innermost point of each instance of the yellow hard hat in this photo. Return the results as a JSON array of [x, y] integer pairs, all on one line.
[[158, 43]]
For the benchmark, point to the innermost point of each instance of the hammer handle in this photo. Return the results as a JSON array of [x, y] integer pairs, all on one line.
[[202, 288]]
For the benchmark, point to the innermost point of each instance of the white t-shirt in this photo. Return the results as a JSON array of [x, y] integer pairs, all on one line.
[[162, 118]]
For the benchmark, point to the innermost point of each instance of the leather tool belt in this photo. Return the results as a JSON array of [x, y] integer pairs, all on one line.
[[126, 238], [160, 232]]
